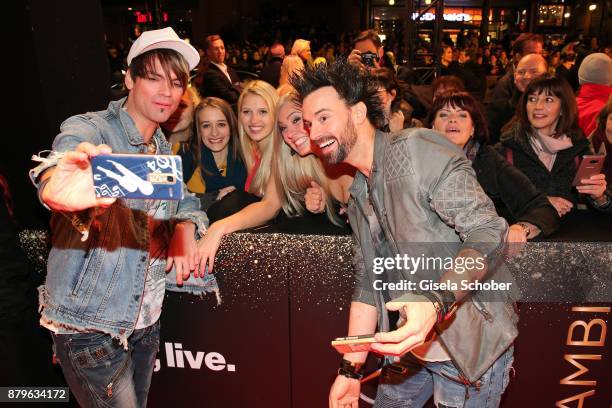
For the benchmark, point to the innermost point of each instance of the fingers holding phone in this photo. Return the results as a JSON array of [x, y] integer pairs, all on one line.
[[70, 184], [595, 186]]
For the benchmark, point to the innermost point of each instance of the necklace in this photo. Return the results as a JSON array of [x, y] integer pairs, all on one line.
[[151, 147]]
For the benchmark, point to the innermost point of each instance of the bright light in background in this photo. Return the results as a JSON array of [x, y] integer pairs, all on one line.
[[592, 7], [391, 2], [382, 37], [567, 15], [129, 9], [541, 21], [427, 1]]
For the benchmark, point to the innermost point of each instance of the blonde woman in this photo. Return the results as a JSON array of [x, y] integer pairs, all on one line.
[[306, 182], [292, 64], [301, 48], [296, 169], [256, 130]]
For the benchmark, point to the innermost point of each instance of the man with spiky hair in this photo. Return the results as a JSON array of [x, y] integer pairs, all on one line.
[[105, 282], [414, 191]]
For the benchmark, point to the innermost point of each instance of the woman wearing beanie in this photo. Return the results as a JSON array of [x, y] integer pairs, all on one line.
[[595, 77]]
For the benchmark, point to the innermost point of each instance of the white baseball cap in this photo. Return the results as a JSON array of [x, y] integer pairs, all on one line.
[[164, 38]]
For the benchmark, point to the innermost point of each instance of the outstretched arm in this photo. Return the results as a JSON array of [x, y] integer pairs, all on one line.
[[250, 216]]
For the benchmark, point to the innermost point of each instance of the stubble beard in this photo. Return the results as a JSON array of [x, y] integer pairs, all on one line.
[[345, 144]]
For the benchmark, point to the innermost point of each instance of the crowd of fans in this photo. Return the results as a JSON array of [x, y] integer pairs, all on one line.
[[247, 154]]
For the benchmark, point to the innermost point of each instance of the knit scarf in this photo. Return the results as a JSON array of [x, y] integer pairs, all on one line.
[[547, 147], [235, 174]]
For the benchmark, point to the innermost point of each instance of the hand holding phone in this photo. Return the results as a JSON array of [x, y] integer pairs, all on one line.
[[353, 344], [589, 166], [140, 176]]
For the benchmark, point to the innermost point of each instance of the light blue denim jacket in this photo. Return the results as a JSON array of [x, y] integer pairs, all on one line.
[[98, 261]]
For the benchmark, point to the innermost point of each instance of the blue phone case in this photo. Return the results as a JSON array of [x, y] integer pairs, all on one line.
[[154, 177]]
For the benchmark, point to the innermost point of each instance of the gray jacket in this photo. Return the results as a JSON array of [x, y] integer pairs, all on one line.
[[426, 198]]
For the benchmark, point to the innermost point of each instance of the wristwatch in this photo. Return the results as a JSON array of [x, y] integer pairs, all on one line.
[[350, 369]]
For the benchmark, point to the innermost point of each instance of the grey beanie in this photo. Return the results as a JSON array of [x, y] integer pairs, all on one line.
[[596, 68]]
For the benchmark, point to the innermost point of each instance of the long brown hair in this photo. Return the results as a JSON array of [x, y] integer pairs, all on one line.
[[232, 122]]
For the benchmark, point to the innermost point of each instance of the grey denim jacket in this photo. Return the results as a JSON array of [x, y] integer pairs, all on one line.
[[427, 200], [98, 261]]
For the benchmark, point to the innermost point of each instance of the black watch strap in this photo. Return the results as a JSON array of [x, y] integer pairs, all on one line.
[[349, 374]]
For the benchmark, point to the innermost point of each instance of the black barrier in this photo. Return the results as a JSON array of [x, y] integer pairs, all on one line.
[[285, 297]]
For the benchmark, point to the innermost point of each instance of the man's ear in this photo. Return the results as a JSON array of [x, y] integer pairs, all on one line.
[[359, 113], [129, 81], [380, 52]]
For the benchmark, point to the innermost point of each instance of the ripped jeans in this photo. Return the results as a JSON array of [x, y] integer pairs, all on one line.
[[411, 382], [101, 373]]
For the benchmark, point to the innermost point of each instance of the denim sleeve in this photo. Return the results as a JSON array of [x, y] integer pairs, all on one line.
[[74, 130], [461, 203], [189, 210]]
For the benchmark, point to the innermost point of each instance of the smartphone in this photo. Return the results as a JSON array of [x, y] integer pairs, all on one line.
[[352, 344], [140, 176], [589, 166], [368, 58]]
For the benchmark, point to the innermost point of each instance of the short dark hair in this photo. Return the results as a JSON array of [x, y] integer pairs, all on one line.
[[449, 82], [466, 102], [170, 61], [371, 35], [211, 39], [567, 56], [519, 44], [386, 78], [352, 85], [551, 85]]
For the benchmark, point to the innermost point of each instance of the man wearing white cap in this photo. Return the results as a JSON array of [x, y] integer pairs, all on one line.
[[106, 270]]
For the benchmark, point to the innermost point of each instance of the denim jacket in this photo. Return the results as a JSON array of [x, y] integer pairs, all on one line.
[[426, 198], [98, 261]]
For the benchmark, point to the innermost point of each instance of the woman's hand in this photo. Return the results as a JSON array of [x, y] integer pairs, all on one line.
[[207, 249], [516, 234], [396, 121], [562, 205], [315, 198], [595, 186], [225, 191]]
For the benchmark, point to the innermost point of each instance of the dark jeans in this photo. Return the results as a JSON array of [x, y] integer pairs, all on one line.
[[101, 373]]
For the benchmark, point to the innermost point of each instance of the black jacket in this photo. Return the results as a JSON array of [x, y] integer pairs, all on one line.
[[558, 181], [514, 195], [499, 112], [215, 83], [271, 72]]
